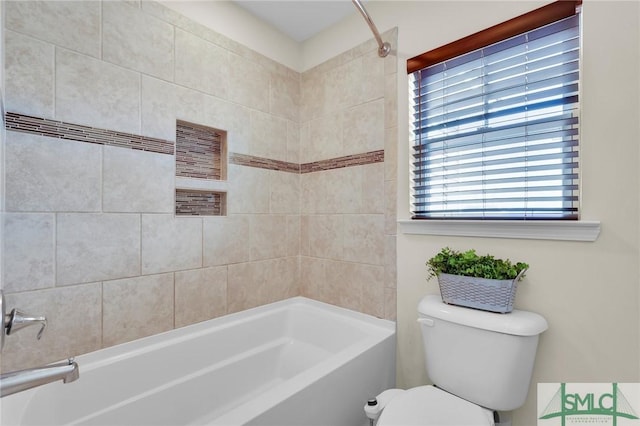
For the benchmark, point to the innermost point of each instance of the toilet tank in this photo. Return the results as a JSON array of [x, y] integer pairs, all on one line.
[[484, 357]]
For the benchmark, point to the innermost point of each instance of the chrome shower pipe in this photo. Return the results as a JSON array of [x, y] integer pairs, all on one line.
[[383, 47]]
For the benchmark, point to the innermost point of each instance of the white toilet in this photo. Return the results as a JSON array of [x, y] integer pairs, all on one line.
[[480, 363]]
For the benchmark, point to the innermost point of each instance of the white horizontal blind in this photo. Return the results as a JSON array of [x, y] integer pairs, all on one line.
[[495, 131]]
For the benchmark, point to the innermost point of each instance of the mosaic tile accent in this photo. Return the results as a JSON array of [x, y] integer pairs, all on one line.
[[200, 203], [263, 163], [199, 151], [346, 161], [191, 156], [76, 132]]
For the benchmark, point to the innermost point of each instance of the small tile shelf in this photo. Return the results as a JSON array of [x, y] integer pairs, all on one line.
[[200, 203]]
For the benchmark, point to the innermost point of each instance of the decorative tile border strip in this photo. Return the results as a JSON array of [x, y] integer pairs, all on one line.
[[316, 166], [263, 163], [346, 161], [58, 129], [76, 132]]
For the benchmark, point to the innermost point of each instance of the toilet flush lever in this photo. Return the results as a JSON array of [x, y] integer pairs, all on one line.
[[426, 321]]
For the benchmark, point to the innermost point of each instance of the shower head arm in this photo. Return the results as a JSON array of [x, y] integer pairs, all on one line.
[[383, 47]]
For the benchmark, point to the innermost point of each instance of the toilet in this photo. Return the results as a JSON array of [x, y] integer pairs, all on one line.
[[480, 363]]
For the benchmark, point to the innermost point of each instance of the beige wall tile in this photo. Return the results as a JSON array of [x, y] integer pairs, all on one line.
[[28, 75], [137, 307], [373, 296], [233, 118], [158, 108], [201, 294], [96, 93], [196, 58], [347, 283], [29, 251], [93, 247], [284, 96], [371, 78], [390, 301], [332, 191], [257, 283], [74, 321], [268, 136], [293, 142], [312, 276], [305, 235], [70, 24], [390, 101], [226, 240], [326, 233], [364, 239], [390, 263], [249, 190], [363, 128], [47, 174], [343, 86], [170, 244], [391, 153], [285, 192], [136, 40], [342, 286], [293, 235], [325, 139], [248, 83], [373, 199], [138, 181], [312, 94], [268, 237], [390, 216], [342, 190]]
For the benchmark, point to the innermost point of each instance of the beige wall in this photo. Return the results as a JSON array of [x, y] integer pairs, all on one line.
[[588, 291]]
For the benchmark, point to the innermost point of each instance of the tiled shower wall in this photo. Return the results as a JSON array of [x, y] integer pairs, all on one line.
[[348, 226], [91, 239]]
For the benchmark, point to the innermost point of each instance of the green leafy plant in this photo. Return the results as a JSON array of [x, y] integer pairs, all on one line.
[[470, 264]]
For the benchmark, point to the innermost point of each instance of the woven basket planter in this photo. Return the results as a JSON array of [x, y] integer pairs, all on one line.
[[479, 293]]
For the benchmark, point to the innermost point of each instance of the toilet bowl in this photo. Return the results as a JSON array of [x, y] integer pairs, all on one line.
[[430, 406], [480, 362]]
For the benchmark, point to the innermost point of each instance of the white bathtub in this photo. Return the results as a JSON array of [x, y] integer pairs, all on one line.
[[295, 362]]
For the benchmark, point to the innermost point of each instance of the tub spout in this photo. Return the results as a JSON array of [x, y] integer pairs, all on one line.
[[18, 381]]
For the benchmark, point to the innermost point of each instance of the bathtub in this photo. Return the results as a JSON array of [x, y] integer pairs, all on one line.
[[295, 362]]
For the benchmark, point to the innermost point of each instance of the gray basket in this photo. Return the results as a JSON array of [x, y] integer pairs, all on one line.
[[479, 293]]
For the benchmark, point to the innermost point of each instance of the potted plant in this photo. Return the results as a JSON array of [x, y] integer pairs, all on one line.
[[481, 282]]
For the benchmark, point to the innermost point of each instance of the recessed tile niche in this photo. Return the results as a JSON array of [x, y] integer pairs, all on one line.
[[201, 170]]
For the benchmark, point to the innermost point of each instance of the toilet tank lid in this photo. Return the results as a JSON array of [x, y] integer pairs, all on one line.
[[516, 322]]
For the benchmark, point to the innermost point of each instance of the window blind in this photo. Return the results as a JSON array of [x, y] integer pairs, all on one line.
[[495, 130]]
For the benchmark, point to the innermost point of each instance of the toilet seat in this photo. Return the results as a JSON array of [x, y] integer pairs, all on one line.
[[430, 406]]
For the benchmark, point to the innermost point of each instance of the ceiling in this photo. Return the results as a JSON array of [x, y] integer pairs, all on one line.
[[299, 19]]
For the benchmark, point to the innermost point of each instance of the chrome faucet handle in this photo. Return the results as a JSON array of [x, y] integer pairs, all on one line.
[[18, 320]]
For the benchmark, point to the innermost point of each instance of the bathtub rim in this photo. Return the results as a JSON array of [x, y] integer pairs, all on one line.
[[377, 329], [92, 360]]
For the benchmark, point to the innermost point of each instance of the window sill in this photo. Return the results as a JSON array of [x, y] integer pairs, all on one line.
[[536, 230]]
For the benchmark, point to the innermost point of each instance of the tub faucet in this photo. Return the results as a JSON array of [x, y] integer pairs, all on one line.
[[17, 320], [18, 381]]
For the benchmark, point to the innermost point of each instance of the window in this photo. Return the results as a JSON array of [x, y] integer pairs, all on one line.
[[495, 121]]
